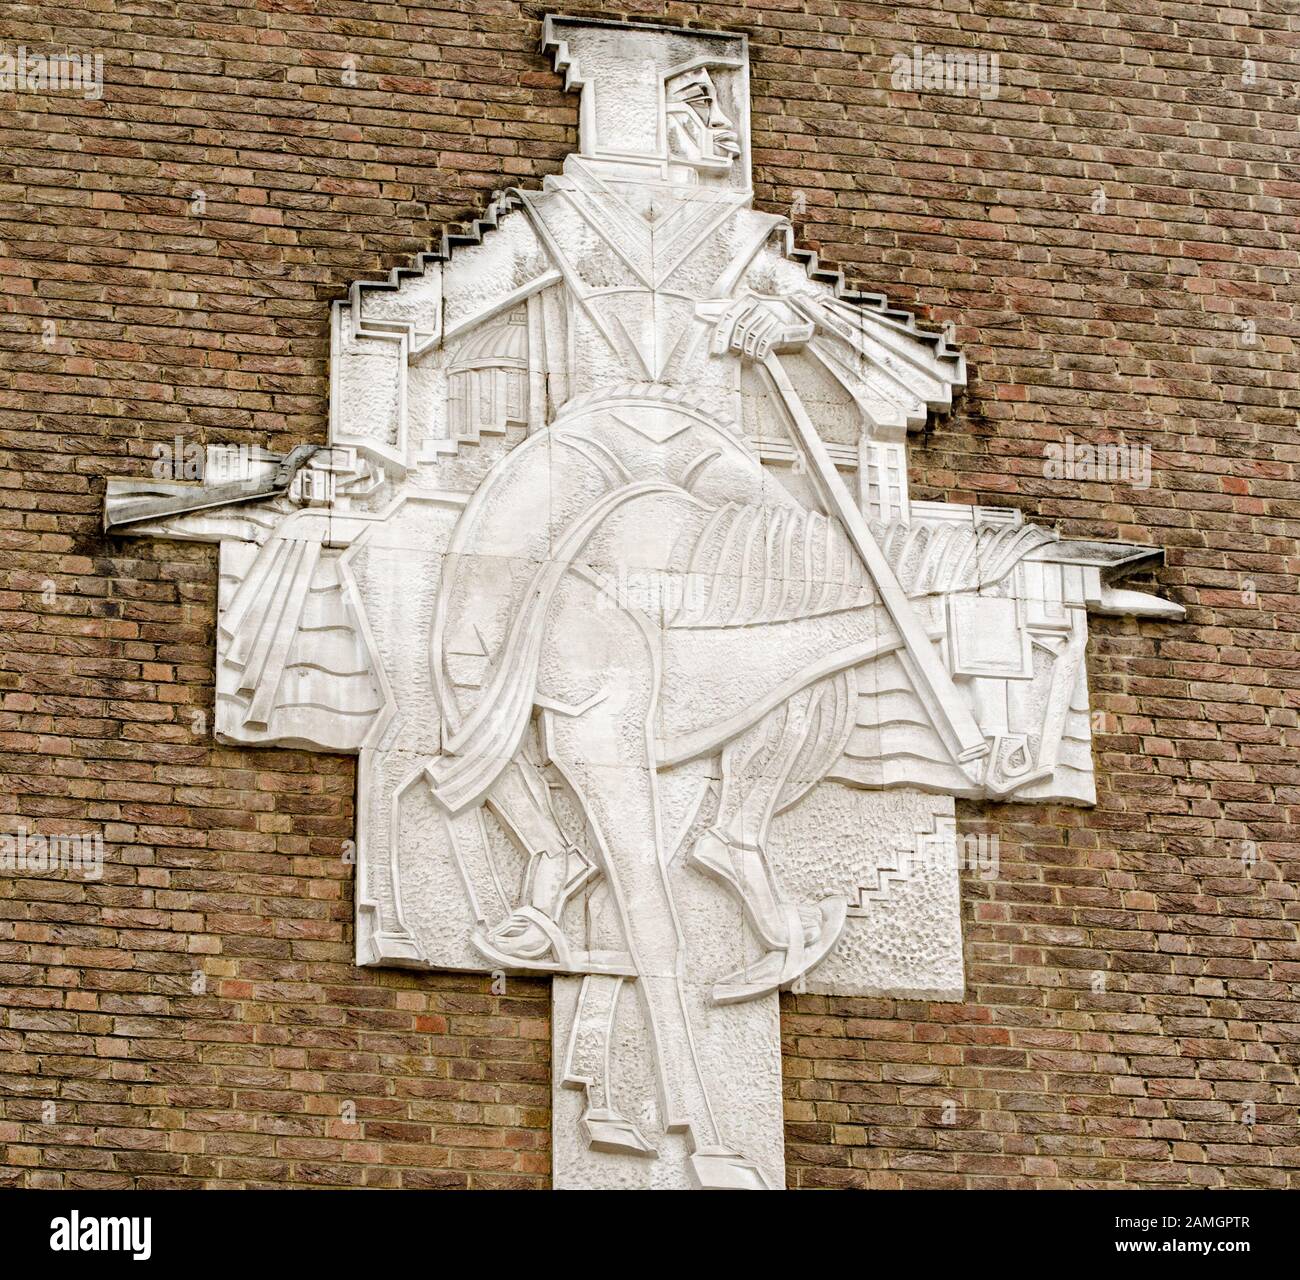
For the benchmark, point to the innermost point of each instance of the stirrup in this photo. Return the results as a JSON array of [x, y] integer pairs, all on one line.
[[524, 948], [563, 958], [777, 970], [557, 945]]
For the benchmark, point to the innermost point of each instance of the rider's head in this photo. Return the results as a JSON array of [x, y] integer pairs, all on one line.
[[657, 102], [700, 133]]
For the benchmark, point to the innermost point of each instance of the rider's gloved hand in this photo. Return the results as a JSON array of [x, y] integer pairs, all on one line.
[[753, 328]]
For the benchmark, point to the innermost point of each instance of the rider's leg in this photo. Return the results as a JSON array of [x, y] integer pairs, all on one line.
[[556, 869], [755, 773]]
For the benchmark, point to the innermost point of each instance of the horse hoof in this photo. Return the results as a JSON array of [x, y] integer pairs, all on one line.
[[606, 1130], [717, 1169]]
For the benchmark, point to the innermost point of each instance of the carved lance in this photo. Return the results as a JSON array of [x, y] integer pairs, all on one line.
[[932, 681]]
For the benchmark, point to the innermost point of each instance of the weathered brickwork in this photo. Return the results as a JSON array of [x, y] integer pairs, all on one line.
[[168, 255]]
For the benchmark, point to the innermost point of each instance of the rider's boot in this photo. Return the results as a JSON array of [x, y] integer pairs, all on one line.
[[795, 937], [532, 933]]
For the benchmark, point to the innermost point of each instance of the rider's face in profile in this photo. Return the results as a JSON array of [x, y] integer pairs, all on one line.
[[699, 131]]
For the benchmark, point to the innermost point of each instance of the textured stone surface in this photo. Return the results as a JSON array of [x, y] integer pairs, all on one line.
[[1191, 762]]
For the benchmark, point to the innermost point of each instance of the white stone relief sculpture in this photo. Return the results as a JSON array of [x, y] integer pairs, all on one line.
[[659, 681]]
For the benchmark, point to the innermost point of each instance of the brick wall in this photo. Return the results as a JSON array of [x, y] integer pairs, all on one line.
[[195, 1016]]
